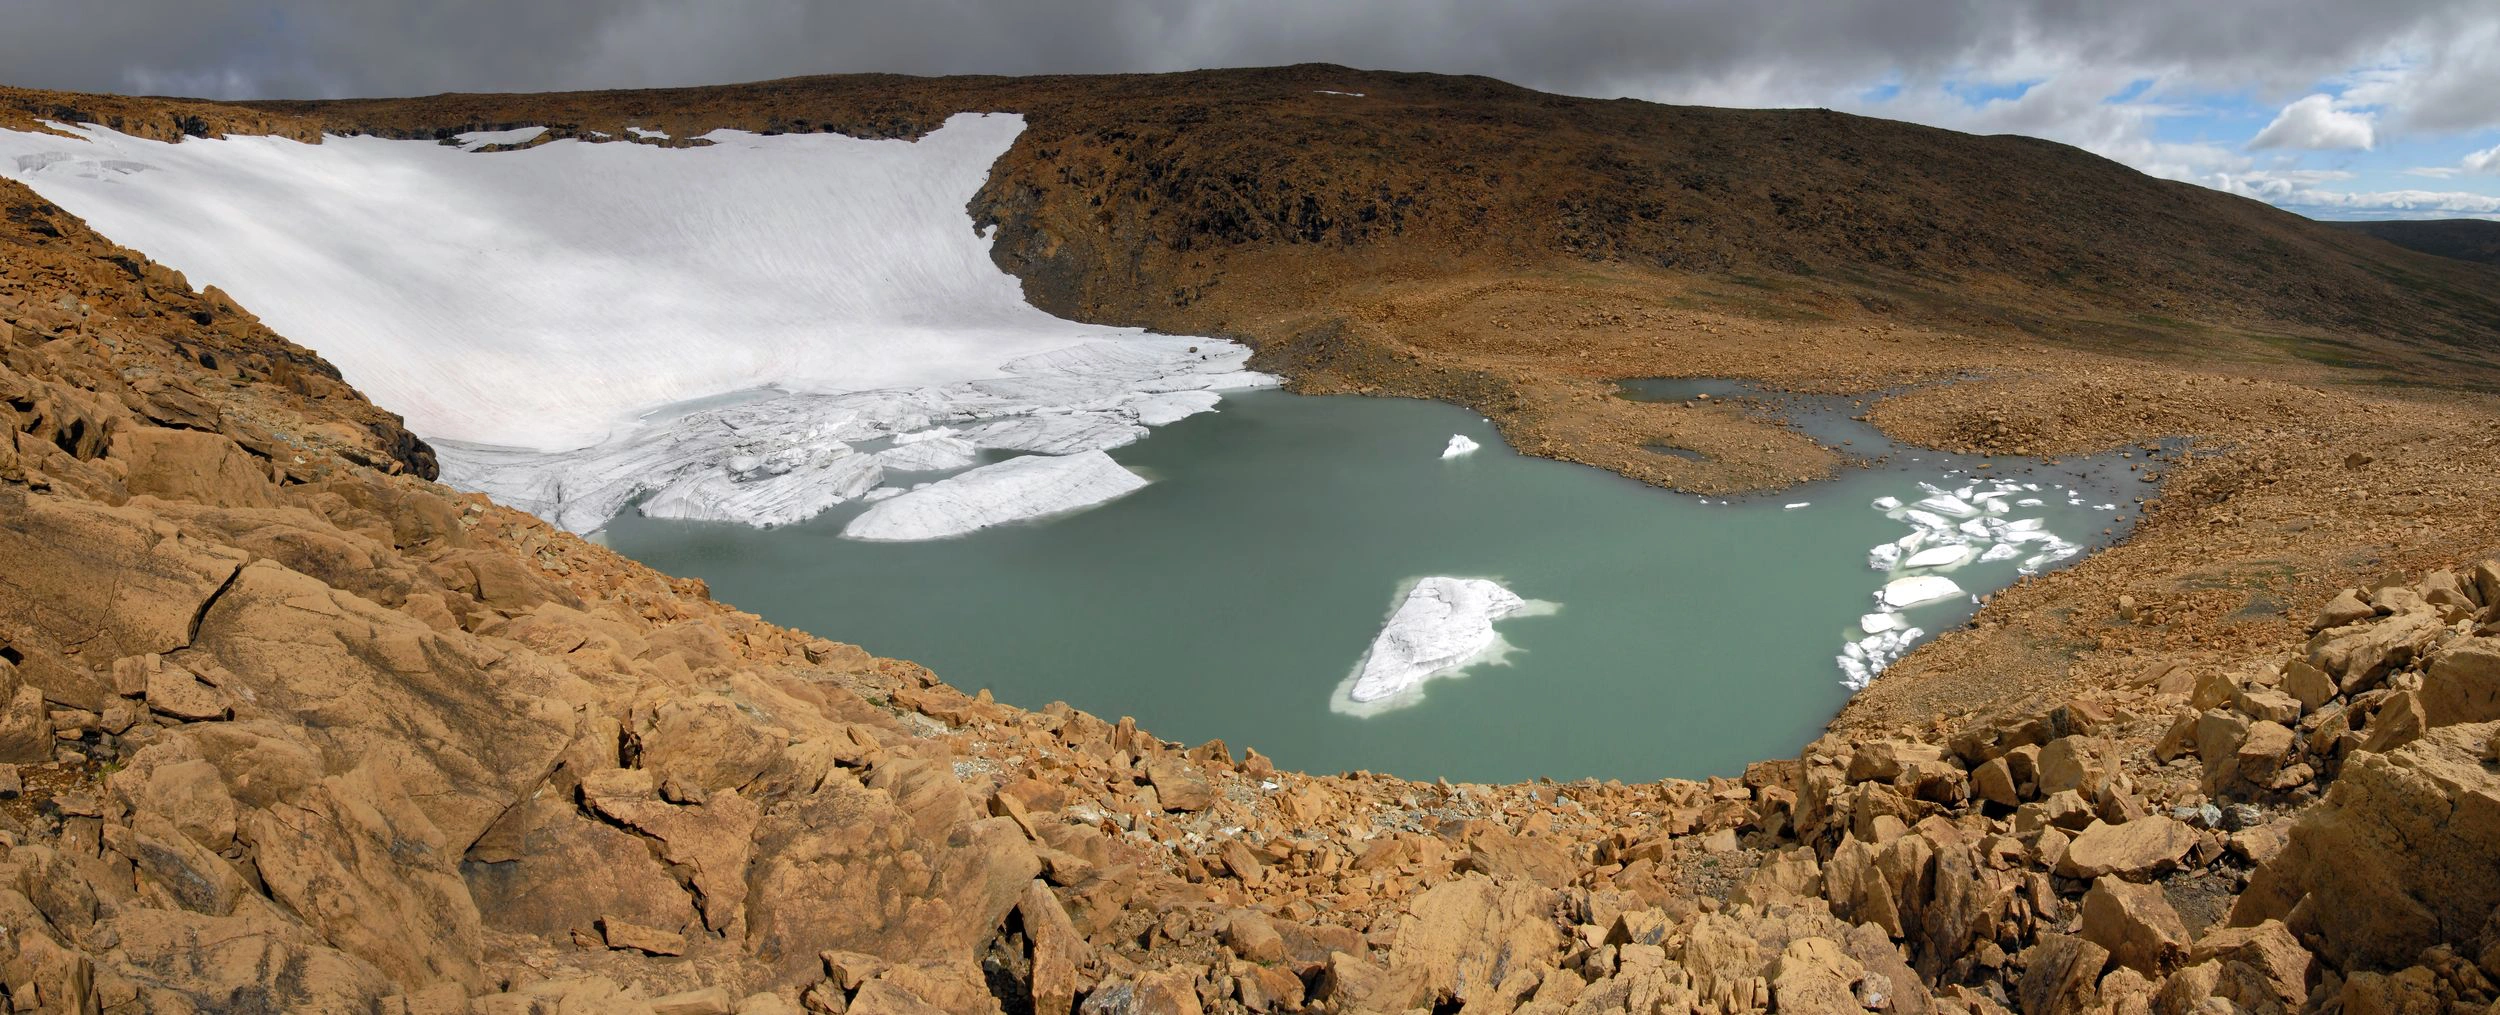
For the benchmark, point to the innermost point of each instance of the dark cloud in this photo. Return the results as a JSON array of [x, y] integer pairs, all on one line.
[[238, 48]]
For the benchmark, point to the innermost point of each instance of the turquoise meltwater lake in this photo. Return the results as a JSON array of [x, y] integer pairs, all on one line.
[[1232, 596]]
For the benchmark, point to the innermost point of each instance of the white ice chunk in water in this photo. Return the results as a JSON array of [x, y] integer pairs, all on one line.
[[1014, 490], [1902, 593], [1795, 506], [1441, 626], [1939, 556], [1887, 503], [1172, 406], [1878, 623], [1949, 504], [1460, 444], [2001, 551], [760, 496]]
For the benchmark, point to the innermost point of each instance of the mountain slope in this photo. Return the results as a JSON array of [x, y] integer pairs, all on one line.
[[2476, 240]]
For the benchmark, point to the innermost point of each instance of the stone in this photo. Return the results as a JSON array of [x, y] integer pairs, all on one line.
[[2264, 751], [2134, 850], [1178, 784], [2462, 683], [2400, 720], [2079, 763], [1813, 974], [647, 940], [178, 693], [26, 727], [1993, 781], [2361, 655], [1464, 937], [705, 1001], [2263, 967], [11, 784], [2403, 854], [1059, 952], [2266, 704], [2136, 923], [2308, 685], [1251, 936], [2345, 608], [2060, 973]]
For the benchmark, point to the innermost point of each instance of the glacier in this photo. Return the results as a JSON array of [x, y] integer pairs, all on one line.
[[1440, 626], [543, 315]]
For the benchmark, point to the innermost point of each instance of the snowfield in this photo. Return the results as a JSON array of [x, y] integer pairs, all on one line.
[[526, 310]]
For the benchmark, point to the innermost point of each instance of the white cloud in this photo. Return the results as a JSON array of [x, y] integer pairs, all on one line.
[[2485, 161], [2434, 172], [2315, 123]]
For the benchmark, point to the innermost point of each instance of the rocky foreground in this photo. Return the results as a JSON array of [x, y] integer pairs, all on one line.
[[289, 727]]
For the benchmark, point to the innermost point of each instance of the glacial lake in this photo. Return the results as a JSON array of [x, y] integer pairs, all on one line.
[[1232, 596]]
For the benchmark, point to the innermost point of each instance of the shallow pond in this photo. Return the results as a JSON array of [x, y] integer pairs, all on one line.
[[1233, 596]]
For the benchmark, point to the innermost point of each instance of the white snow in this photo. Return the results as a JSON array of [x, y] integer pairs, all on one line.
[[524, 309], [1014, 490], [1440, 627], [931, 455], [1902, 593], [1460, 444], [647, 134], [1350, 95]]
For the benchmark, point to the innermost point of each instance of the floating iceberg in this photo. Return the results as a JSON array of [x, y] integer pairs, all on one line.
[[1902, 593], [1442, 625], [1939, 556], [1014, 490], [1460, 444]]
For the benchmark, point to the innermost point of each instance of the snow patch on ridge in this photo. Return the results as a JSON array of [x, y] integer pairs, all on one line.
[[520, 308], [1440, 627]]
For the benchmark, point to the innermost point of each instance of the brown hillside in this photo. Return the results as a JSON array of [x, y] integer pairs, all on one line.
[[2476, 240]]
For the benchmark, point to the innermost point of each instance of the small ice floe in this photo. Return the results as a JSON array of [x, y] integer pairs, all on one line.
[[1861, 660], [2104, 507], [2001, 551], [1939, 556], [1878, 623], [1441, 626], [1010, 491], [2029, 502], [1460, 444], [1903, 593], [1887, 503], [1795, 506]]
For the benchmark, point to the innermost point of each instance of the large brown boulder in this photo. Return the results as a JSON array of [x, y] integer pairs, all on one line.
[[2462, 683], [2135, 850], [2403, 854]]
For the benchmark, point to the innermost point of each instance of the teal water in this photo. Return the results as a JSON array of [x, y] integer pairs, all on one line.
[[1231, 597]]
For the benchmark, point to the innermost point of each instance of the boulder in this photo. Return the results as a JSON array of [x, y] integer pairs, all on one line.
[[2308, 685], [1178, 784], [2403, 854], [2079, 763], [1464, 937], [2263, 967], [192, 465], [1814, 975], [2060, 974], [2134, 851], [2136, 923], [2346, 608], [2462, 683]]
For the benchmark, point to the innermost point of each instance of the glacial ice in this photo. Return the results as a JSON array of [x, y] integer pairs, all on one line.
[[931, 455], [1014, 490], [1902, 593], [525, 309], [1939, 556], [1460, 444], [1441, 626]]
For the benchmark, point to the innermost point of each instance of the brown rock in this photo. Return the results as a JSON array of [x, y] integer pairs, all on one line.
[[2399, 721], [2133, 850], [2060, 973], [1250, 935], [2345, 608], [177, 692], [2263, 967], [2267, 704], [1464, 937], [1994, 782], [1815, 975], [1178, 784], [2266, 749], [2462, 684], [1059, 953], [192, 465], [2135, 922], [647, 940], [2403, 854], [25, 727], [2079, 763], [2307, 684]]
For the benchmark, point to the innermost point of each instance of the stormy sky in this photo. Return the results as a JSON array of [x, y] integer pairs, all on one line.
[[2330, 107]]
